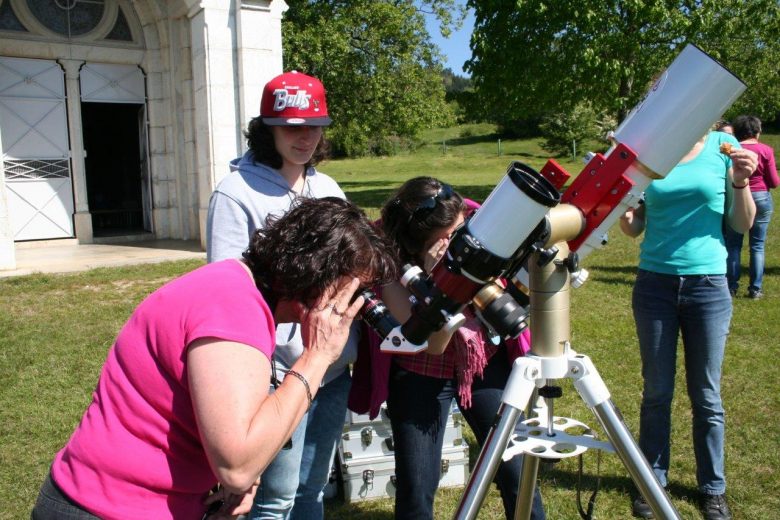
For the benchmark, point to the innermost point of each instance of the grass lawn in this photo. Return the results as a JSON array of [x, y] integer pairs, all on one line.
[[55, 331]]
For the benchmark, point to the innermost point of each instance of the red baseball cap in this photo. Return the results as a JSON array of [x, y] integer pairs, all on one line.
[[294, 99]]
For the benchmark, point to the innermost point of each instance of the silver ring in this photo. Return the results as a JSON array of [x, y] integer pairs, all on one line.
[[334, 309]]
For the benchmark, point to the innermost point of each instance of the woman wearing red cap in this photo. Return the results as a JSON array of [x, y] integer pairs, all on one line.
[[285, 143]]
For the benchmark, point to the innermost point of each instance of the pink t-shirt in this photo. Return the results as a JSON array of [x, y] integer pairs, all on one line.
[[137, 452], [765, 177]]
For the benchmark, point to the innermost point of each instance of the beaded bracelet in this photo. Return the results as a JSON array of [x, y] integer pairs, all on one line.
[[305, 384]]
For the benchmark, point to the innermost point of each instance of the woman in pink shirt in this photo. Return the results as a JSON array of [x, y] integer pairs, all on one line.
[[747, 130], [182, 401]]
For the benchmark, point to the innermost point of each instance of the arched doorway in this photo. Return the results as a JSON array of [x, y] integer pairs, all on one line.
[[113, 120]]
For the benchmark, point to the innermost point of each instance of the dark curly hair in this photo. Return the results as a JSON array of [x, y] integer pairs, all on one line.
[[261, 142], [298, 255], [746, 127], [408, 225]]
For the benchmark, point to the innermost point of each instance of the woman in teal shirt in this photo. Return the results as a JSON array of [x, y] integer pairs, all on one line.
[[681, 288]]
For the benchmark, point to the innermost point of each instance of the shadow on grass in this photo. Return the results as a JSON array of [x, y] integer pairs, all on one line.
[[337, 508], [470, 139], [352, 185], [771, 271], [375, 197], [368, 194], [380, 508], [511, 155], [613, 275], [569, 479], [373, 194], [549, 474]]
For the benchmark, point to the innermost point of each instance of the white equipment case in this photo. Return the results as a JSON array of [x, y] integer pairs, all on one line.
[[367, 465]]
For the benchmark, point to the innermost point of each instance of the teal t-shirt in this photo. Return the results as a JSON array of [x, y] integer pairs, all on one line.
[[684, 214]]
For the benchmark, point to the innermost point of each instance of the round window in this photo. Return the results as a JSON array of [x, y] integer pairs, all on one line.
[[68, 17]]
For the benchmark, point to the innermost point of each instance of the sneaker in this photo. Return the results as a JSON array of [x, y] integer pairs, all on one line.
[[641, 509], [714, 507], [755, 294]]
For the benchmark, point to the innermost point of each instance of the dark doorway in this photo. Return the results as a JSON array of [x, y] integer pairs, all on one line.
[[113, 167]]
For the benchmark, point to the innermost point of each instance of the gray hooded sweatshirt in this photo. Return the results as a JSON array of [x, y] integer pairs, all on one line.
[[238, 206]]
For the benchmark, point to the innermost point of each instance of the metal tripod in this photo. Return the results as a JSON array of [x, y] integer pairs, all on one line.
[[552, 358]]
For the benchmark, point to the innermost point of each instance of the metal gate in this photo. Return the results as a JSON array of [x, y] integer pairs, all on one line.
[[33, 122]]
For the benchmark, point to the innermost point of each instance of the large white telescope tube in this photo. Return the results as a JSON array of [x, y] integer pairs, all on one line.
[[679, 109], [687, 98]]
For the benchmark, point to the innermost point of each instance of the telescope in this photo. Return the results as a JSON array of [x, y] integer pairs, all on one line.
[[529, 235], [525, 214], [470, 265], [676, 112]]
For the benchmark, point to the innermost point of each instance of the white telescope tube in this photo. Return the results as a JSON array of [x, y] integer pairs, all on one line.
[[679, 109], [512, 210], [676, 112]]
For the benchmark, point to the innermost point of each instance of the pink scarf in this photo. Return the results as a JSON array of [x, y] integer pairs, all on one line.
[[473, 350], [470, 356]]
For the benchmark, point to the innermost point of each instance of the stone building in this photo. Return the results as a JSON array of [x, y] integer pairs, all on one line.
[[118, 117]]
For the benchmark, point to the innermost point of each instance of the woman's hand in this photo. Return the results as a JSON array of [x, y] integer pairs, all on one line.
[[231, 504], [325, 327], [632, 222], [741, 209], [434, 254], [744, 162]]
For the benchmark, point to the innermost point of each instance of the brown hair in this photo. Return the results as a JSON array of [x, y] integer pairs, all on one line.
[[298, 255], [408, 225], [261, 142]]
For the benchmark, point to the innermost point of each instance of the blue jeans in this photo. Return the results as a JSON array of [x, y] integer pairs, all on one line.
[[292, 485], [53, 504], [699, 308], [756, 239], [418, 407]]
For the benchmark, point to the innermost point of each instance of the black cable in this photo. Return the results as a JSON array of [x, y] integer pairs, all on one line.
[[588, 515]]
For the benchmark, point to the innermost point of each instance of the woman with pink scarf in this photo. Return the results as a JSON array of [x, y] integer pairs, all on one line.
[[467, 365]]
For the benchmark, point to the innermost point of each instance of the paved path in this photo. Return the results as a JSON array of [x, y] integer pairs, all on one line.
[[70, 256]]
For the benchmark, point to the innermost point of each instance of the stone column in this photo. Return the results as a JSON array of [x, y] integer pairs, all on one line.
[[217, 137], [7, 248], [82, 218], [259, 30]]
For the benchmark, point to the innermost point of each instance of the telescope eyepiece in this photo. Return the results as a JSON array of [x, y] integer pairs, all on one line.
[[374, 312]]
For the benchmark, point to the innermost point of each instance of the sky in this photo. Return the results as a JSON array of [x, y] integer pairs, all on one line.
[[455, 48]]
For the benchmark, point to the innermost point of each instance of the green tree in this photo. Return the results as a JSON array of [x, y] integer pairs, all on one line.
[[564, 131], [531, 58], [459, 94], [376, 59], [454, 83], [751, 50]]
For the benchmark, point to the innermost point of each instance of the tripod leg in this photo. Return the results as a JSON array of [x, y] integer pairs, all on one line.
[[487, 464], [527, 487], [515, 398], [594, 392], [634, 461]]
